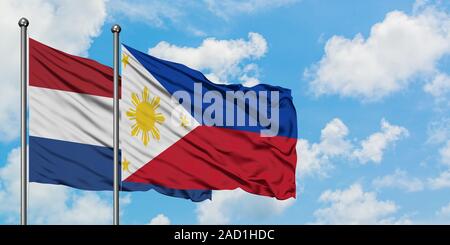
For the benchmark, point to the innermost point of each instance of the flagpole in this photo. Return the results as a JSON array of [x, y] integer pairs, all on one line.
[[116, 30], [23, 23]]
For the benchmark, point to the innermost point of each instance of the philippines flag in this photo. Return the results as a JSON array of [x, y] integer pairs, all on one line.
[[70, 125], [182, 131]]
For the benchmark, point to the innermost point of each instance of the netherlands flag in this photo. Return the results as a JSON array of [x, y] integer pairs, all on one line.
[[180, 130], [70, 124]]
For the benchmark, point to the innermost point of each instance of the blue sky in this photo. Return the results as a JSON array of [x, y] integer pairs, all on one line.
[[370, 81]]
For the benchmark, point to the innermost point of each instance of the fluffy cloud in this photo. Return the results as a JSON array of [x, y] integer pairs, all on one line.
[[399, 179], [311, 160], [315, 158], [228, 8], [66, 25], [397, 49], [332, 138], [439, 86], [160, 219], [441, 181], [86, 208], [354, 206], [373, 147], [236, 205], [49, 204], [221, 59]]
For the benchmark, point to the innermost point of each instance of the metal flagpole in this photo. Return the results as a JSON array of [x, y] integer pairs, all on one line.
[[116, 30], [23, 23]]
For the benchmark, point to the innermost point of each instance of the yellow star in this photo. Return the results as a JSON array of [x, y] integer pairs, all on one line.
[[184, 121], [125, 165], [125, 60]]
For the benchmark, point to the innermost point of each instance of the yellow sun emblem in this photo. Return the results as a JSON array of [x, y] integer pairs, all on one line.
[[145, 116]]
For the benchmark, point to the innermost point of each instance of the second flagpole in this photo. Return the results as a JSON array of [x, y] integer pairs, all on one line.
[[23, 23], [116, 30]]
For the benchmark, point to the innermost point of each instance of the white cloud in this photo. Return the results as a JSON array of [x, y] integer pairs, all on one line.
[[49, 204], [372, 148], [220, 59], [444, 211], [66, 25], [250, 74], [439, 86], [249, 81], [441, 181], [354, 206], [397, 49], [310, 160], [160, 219], [236, 205], [332, 138], [399, 179], [87, 208], [228, 8], [314, 159]]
